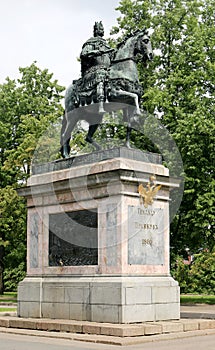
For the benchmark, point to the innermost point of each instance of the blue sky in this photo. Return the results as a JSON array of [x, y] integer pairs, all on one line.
[[50, 32]]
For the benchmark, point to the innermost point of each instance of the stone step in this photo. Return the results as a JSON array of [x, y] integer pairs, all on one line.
[[107, 329]]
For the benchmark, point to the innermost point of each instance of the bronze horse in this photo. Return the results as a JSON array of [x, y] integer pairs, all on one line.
[[120, 89]]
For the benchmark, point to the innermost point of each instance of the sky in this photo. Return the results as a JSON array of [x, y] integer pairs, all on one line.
[[50, 32]]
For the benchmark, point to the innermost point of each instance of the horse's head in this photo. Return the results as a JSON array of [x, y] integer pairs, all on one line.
[[143, 46]]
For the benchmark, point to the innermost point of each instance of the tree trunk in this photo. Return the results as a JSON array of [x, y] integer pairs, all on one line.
[[1, 270]]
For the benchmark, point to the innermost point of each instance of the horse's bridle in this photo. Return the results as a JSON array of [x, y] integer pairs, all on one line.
[[127, 58], [123, 59]]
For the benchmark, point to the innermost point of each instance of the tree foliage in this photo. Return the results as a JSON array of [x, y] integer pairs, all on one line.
[[179, 90], [197, 278], [28, 106], [13, 232]]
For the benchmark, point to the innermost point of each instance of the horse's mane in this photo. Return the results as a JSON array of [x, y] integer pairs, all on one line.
[[130, 35]]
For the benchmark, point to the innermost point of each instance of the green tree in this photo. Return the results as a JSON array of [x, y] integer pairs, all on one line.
[[28, 107], [179, 90], [13, 233], [199, 277]]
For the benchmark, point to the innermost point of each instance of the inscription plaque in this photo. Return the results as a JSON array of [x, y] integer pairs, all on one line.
[[73, 238], [145, 236]]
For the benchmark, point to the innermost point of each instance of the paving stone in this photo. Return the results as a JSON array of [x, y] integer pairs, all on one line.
[[190, 325], [152, 329], [42, 325], [53, 326], [102, 339], [206, 324], [22, 323], [71, 327], [171, 327], [107, 333], [91, 329], [4, 322], [123, 330]]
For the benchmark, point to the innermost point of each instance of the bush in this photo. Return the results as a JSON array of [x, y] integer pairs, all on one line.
[[180, 272], [202, 274], [197, 278], [13, 276]]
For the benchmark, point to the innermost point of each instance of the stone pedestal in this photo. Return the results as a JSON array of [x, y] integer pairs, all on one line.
[[95, 252]]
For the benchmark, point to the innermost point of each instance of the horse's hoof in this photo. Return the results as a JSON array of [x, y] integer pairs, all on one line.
[[101, 111], [97, 147], [64, 152], [66, 156], [135, 121], [127, 145], [93, 143]]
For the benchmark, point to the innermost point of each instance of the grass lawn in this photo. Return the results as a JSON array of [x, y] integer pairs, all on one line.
[[7, 309], [8, 297], [197, 299], [11, 297]]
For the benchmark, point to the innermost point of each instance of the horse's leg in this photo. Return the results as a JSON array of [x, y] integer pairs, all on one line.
[[100, 93], [65, 149], [63, 127], [68, 126], [89, 138], [128, 135], [126, 116], [133, 96], [94, 121], [65, 146]]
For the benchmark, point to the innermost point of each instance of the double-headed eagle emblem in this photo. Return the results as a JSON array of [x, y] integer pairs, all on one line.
[[148, 193]]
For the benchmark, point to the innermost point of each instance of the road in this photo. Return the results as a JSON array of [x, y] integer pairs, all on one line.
[[20, 342]]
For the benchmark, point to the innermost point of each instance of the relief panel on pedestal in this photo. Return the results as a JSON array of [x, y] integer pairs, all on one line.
[[73, 238]]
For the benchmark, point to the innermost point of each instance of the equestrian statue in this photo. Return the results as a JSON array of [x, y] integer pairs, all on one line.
[[109, 82]]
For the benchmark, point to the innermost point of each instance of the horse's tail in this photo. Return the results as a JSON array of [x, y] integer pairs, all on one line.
[[63, 127]]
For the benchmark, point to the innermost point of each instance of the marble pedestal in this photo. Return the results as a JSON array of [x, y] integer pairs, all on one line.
[[94, 251]]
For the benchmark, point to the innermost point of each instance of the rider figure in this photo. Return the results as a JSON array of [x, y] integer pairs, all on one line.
[[95, 59]]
